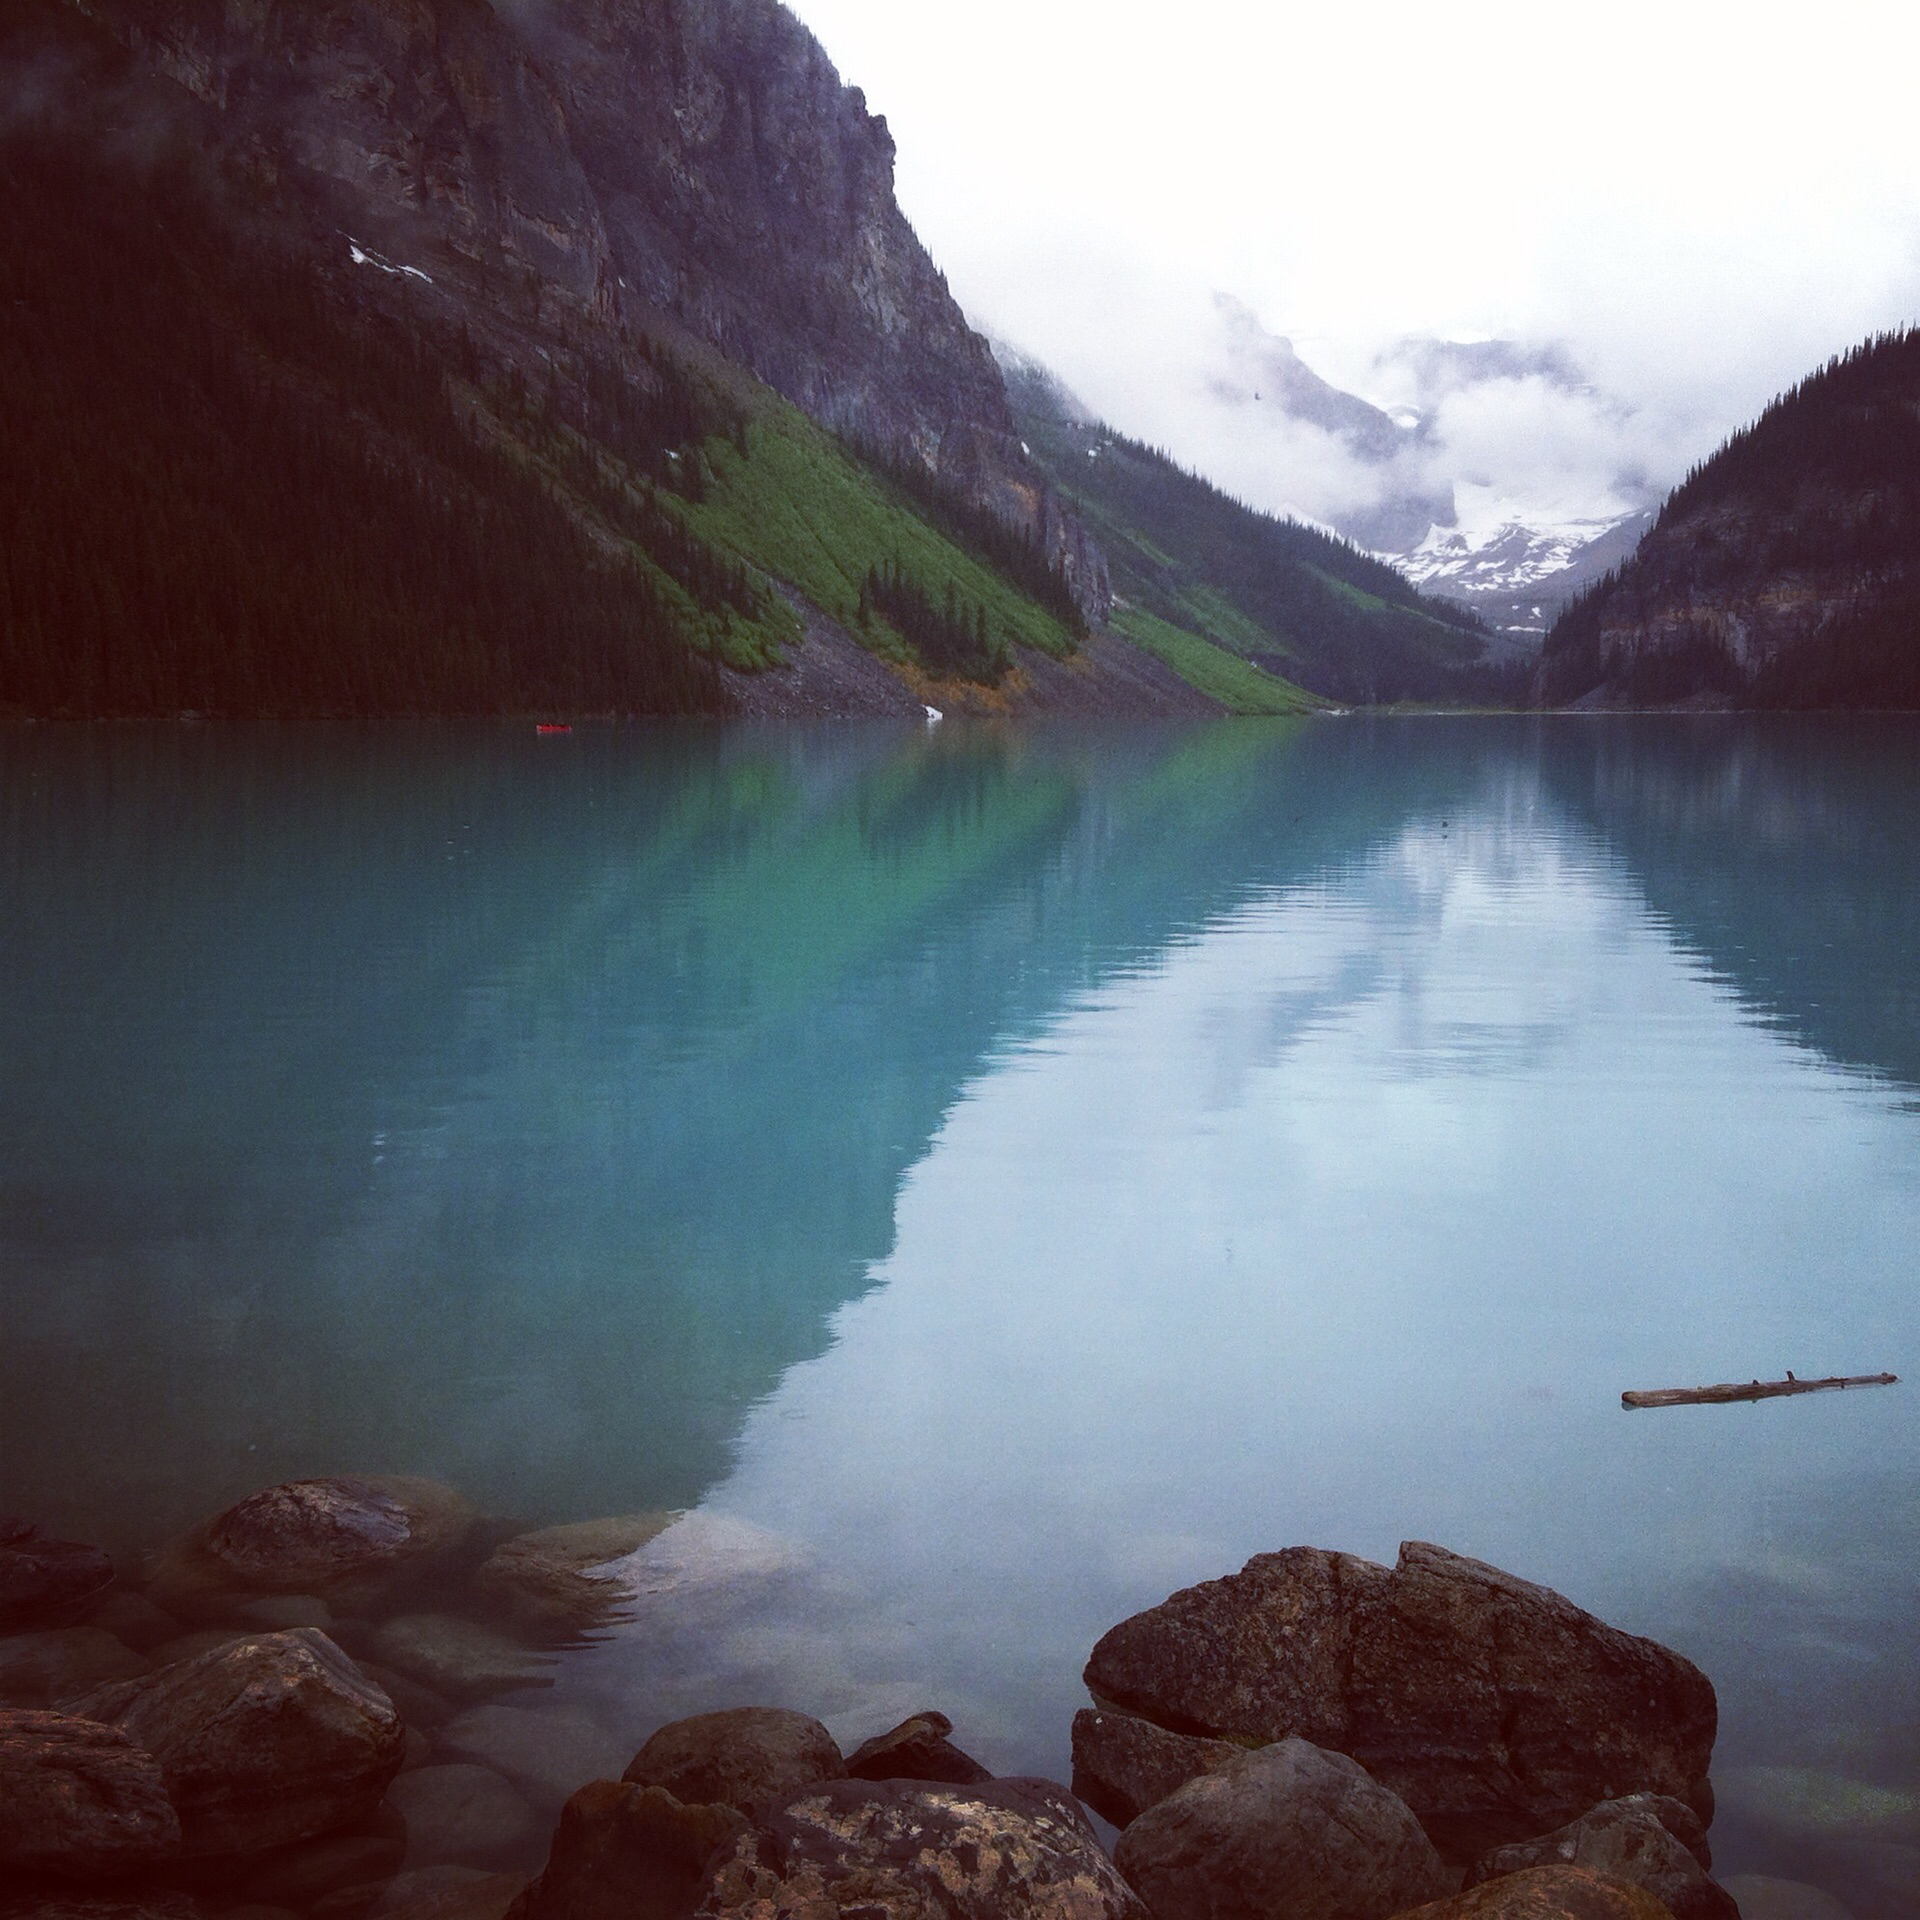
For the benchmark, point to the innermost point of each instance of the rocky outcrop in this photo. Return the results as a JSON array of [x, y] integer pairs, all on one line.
[[46, 1583], [739, 1757], [592, 164], [1495, 1708], [1291, 1832], [270, 1739], [1004, 1850], [1123, 1765], [79, 1799], [917, 1749], [1644, 1838]]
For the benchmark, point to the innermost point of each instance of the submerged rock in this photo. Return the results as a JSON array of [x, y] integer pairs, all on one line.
[[431, 1893], [1291, 1832], [1807, 1803], [1123, 1765], [302, 1875], [37, 1669], [1495, 1708], [554, 1582], [625, 1852], [346, 1542], [79, 1799], [267, 1740], [699, 1560], [738, 1757], [547, 1752], [456, 1657], [461, 1812], [1762, 1897], [160, 1904], [1012, 1849], [1642, 1838], [1548, 1893], [134, 1620], [47, 1583]]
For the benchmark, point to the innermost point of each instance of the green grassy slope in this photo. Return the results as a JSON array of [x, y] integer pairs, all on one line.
[[1296, 603]]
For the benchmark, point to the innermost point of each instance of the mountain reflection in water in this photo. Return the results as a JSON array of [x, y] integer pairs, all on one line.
[[999, 1177]]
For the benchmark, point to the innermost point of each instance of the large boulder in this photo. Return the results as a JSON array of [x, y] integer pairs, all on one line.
[[915, 1850], [555, 1583], [1548, 1893], [917, 1749], [624, 1852], [1644, 1838], [1122, 1765], [1495, 1708], [738, 1757], [47, 1583], [1292, 1832], [266, 1740], [79, 1799], [350, 1542]]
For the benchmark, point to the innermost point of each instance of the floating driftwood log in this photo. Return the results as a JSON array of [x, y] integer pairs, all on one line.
[[1752, 1390]]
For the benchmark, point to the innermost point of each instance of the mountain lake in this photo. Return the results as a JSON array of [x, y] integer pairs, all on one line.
[[993, 1178]]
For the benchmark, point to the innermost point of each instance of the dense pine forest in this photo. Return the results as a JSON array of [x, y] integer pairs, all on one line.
[[1784, 571], [225, 492]]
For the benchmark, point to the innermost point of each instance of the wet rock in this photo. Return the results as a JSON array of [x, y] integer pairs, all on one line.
[[134, 1620], [344, 1903], [268, 1740], [546, 1752], [420, 1884], [1877, 1879], [699, 1562], [462, 1813], [1291, 1832], [1495, 1708], [917, 1749], [738, 1757], [1638, 1839], [350, 1542], [1761, 1897], [47, 1583], [458, 1658], [419, 1706], [624, 1852], [37, 1669], [79, 1799], [1806, 1803], [1548, 1893], [299, 1876], [1123, 1765], [550, 1583], [1012, 1849]]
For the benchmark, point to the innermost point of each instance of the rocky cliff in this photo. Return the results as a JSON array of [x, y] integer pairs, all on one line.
[[1785, 572], [589, 165]]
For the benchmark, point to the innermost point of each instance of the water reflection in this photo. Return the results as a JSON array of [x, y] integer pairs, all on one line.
[[997, 1177]]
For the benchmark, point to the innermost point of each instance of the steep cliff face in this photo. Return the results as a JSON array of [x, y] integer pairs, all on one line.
[[610, 162], [1785, 572]]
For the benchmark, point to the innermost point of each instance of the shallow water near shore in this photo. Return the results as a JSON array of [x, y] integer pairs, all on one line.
[[1000, 1177]]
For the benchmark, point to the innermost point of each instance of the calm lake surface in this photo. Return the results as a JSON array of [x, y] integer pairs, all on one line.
[[1000, 1177]]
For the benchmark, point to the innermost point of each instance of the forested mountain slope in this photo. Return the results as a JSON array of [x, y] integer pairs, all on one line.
[[1784, 572], [1264, 608]]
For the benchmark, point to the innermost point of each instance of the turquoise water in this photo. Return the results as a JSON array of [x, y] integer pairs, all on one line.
[[998, 1177]]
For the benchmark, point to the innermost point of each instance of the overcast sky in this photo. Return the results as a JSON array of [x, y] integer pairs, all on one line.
[[1704, 200]]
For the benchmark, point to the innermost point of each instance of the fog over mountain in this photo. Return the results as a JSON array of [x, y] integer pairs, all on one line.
[[1563, 254]]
